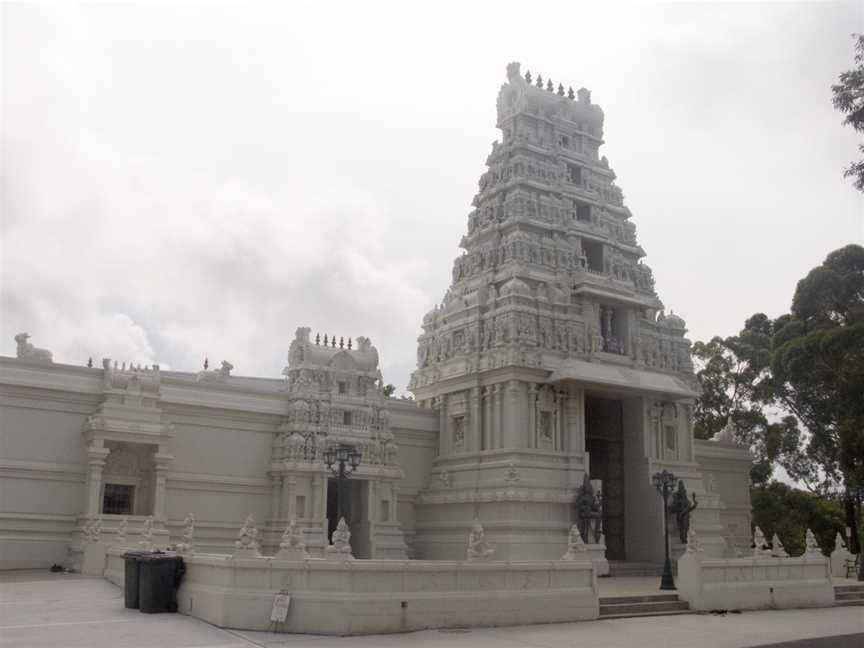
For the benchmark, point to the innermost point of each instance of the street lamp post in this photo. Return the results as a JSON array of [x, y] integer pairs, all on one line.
[[342, 460], [860, 494], [664, 482]]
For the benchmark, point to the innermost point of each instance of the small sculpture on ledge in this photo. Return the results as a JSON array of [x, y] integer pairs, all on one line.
[[576, 549], [26, 351], [777, 548], [341, 545], [146, 542], [292, 546], [693, 545], [760, 546], [681, 509], [812, 545], [188, 543], [478, 548], [120, 538], [247, 545]]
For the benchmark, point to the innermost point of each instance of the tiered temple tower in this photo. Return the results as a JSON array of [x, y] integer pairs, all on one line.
[[550, 356]]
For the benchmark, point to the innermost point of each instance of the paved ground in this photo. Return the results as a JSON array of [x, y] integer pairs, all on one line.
[[40, 610]]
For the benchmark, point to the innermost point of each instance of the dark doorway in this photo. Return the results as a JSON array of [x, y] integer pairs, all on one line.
[[333, 496], [604, 429]]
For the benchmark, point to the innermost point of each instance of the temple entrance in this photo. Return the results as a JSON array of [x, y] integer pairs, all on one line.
[[604, 429], [354, 506]]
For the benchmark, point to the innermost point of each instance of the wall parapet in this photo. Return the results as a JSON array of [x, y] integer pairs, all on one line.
[[380, 596], [754, 583]]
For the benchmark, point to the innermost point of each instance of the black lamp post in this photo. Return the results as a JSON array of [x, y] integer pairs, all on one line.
[[665, 482], [342, 460], [860, 496]]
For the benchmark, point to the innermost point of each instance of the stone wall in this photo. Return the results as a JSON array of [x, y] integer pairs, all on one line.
[[754, 583], [380, 596]]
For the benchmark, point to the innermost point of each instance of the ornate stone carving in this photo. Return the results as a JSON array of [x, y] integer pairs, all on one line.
[[187, 543], [217, 375], [576, 549], [812, 545], [247, 544], [120, 537], [340, 548], [478, 547], [760, 546], [693, 545], [146, 543], [26, 351], [292, 546], [777, 548], [512, 474]]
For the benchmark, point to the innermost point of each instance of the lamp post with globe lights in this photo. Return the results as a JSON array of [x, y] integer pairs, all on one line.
[[342, 460]]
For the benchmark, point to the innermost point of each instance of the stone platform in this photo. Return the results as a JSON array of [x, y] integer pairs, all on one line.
[[43, 610]]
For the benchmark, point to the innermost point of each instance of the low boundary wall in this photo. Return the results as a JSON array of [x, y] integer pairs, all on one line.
[[754, 583], [380, 596]]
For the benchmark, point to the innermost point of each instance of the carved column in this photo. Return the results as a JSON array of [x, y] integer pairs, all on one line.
[[275, 495], [96, 455], [487, 419], [574, 421], [161, 462], [496, 416], [444, 427], [532, 416], [288, 484], [472, 441]]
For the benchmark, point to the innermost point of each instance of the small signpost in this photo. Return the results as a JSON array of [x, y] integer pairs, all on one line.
[[281, 603]]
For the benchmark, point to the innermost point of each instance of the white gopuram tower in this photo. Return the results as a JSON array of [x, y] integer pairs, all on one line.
[[550, 356]]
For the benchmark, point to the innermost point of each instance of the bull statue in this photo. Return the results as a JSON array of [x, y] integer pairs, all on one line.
[[27, 351]]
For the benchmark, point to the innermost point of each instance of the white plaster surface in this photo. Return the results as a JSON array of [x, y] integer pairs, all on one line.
[[40, 610]]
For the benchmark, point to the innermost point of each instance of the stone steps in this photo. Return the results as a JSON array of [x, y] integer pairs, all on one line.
[[635, 569], [848, 595], [617, 607]]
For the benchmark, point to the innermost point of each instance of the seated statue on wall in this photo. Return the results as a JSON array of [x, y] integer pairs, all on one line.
[[341, 547], [589, 512], [681, 508], [478, 547]]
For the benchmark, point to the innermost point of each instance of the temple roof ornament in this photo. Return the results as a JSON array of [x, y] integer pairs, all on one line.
[[551, 275]]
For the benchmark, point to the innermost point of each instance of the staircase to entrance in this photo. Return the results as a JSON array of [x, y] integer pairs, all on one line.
[[637, 593], [849, 594]]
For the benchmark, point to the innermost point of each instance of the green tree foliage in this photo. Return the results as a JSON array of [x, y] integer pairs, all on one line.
[[789, 512], [389, 390], [794, 386], [735, 388], [817, 367], [849, 99]]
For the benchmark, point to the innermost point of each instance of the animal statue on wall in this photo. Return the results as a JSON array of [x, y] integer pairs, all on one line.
[[681, 508], [27, 351], [217, 375]]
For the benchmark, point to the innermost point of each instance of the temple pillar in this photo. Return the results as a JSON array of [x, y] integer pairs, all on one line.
[[161, 461], [96, 455], [473, 441], [532, 416], [496, 416], [487, 419], [275, 495]]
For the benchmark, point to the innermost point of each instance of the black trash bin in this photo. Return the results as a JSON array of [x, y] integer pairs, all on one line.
[[131, 578], [159, 580]]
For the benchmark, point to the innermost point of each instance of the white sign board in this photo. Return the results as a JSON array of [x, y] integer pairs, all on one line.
[[280, 608]]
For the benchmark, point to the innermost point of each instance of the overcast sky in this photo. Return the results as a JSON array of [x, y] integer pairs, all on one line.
[[182, 182]]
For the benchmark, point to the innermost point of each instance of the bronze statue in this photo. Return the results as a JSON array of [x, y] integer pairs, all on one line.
[[589, 512], [681, 508]]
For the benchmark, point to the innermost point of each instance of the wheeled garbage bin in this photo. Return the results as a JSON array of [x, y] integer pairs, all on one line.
[[131, 577], [159, 580]]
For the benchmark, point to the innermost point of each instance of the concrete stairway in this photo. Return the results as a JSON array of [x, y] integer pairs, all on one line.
[[635, 569], [843, 595], [617, 607]]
